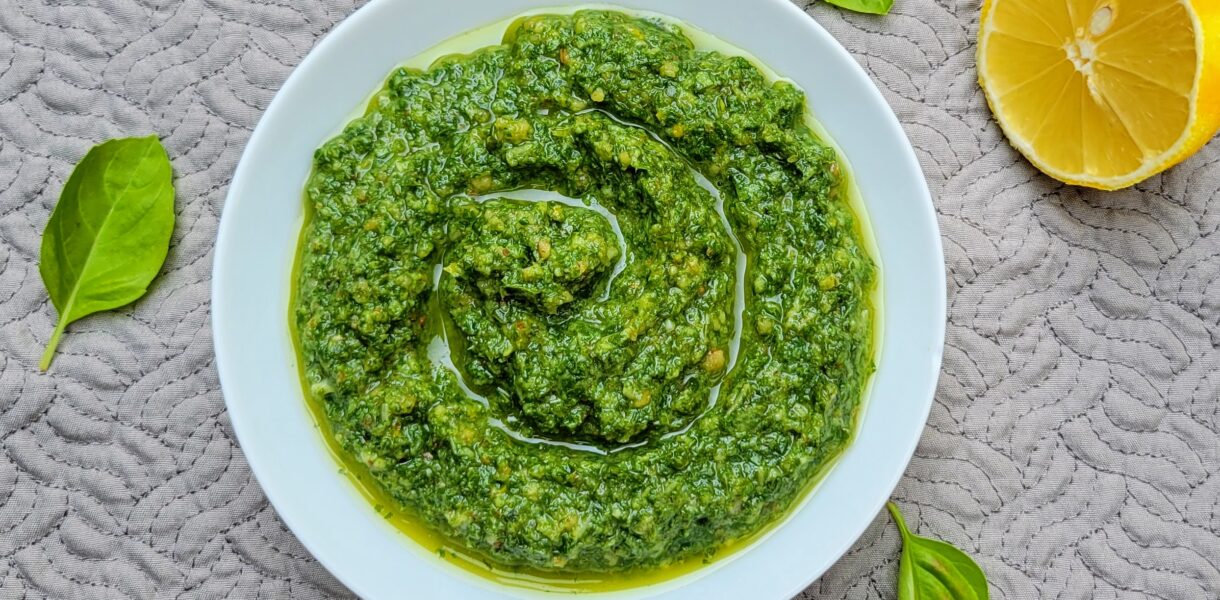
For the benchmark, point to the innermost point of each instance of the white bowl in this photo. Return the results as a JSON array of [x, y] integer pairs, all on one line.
[[257, 242]]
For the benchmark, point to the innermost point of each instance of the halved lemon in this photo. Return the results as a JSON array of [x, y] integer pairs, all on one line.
[[1102, 93]]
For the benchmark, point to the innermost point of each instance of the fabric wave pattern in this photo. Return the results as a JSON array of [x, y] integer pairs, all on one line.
[[1071, 449]]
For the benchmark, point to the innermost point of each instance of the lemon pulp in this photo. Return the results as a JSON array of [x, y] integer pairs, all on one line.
[[1102, 93]]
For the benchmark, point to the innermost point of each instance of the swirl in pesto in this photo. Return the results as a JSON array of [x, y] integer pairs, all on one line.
[[641, 374]]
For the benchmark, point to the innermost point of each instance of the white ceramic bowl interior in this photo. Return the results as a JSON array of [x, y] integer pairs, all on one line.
[[257, 242]]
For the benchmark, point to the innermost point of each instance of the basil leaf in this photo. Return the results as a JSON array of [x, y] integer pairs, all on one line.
[[109, 234], [875, 7], [933, 570]]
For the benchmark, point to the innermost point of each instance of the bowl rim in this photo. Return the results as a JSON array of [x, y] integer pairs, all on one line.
[[259, 141]]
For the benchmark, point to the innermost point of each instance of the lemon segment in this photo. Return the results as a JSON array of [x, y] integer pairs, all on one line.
[[1102, 93]]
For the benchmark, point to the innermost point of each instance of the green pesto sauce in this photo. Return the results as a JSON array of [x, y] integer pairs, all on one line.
[[637, 375]]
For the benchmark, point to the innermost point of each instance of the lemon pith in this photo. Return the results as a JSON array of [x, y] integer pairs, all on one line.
[[1102, 93]]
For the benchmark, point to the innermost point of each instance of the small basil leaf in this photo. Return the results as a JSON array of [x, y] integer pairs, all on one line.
[[933, 570], [109, 234], [875, 7]]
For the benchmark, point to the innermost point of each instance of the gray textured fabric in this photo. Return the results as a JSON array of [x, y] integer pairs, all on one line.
[[1072, 447]]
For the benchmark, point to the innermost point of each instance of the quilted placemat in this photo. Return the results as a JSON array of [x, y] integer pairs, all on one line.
[[1074, 446]]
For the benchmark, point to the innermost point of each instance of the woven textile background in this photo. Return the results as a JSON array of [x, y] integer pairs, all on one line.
[[1074, 446]]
